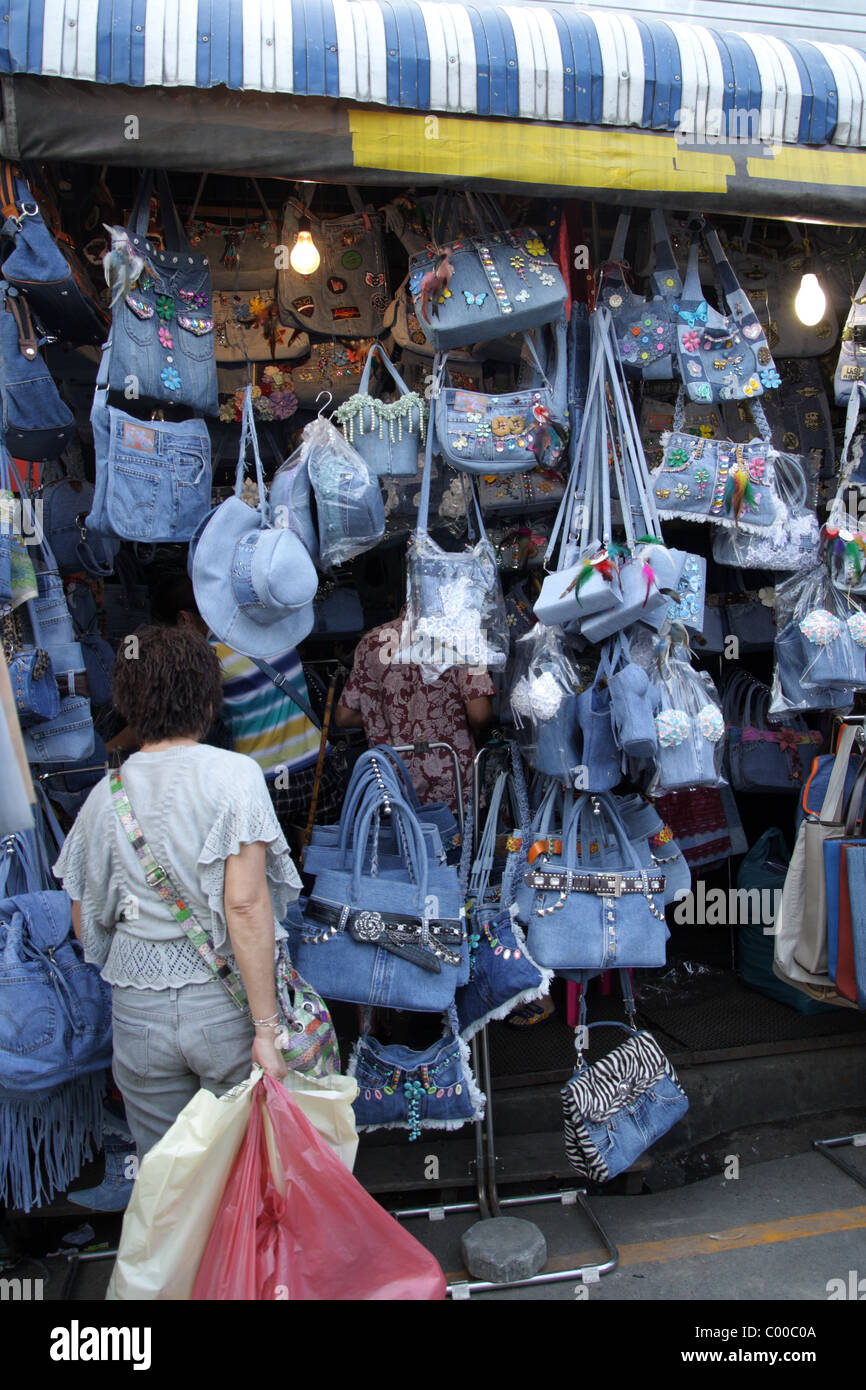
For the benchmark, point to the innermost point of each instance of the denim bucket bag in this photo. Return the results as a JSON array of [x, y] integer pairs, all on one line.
[[37, 424], [162, 332], [153, 477], [594, 905], [402, 1089], [387, 434], [388, 942]]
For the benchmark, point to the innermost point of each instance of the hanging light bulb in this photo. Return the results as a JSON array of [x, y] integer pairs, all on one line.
[[304, 256], [811, 301]]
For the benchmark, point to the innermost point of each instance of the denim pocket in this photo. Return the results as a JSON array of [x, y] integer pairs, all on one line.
[[133, 492], [130, 1044], [139, 326], [195, 338], [34, 1025]]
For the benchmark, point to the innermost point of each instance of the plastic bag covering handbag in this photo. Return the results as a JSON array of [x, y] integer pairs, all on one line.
[[402, 1089], [501, 281], [762, 759], [349, 506], [591, 903], [289, 499], [162, 334], [348, 294], [491, 434], [690, 724], [645, 329], [455, 609], [395, 941], [852, 349], [721, 357], [65, 507], [37, 424], [790, 542], [43, 265], [289, 1193], [153, 477], [544, 703], [387, 434], [634, 700], [503, 975], [616, 1109]]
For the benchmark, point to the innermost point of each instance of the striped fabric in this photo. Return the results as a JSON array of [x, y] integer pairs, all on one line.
[[263, 722], [552, 62]]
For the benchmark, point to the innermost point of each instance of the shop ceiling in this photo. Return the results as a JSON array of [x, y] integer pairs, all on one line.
[[622, 107]]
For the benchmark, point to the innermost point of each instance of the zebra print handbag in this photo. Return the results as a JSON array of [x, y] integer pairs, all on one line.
[[617, 1108]]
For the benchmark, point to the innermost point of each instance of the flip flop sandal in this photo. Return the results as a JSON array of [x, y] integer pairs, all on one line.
[[528, 1015]]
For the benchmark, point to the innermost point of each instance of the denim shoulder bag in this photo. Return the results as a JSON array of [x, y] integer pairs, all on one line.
[[387, 942], [492, 434], [387, 434], [37, 424], [66, 504], [616, 1108], [594, 904], [162, 325], [347, 294], [851, 366], [645, 329], [306, 1034], [153, 477]]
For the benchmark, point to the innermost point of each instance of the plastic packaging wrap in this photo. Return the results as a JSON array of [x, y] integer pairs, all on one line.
[[455, 607], [820, 647], [544, 693], [689, 724], [351, 513], [791, 542]]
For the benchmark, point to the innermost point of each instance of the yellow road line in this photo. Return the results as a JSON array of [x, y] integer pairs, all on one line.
[[712, 1242]]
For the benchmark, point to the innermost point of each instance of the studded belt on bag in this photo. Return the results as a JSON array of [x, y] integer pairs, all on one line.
[[424, 943], [605, 885]]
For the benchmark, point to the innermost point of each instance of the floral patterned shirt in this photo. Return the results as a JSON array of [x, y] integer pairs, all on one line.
[[398, 708]]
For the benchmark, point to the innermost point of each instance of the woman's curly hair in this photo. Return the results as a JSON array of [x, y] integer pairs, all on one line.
[[167, 683]]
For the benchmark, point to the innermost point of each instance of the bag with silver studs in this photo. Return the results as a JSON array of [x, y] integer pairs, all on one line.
[[588, 900]]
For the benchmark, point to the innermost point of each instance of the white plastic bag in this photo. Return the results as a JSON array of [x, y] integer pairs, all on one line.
[[350, 508]]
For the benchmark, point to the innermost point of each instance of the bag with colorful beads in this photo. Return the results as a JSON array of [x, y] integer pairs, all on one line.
[[482, 286], [503, 976], [162, 337], [335, 367], [240, 246], [493, 434], [645, 328], [521, 494], [690, 724], [716, 480], [402, 1089], [387, 434], [721, 357], [762, 759]]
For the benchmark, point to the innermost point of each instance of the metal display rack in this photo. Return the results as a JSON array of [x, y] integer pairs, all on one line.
[[489, 1204]]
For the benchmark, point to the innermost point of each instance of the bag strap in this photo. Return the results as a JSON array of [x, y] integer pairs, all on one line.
[[831, 810], [248, 433], [427, 480], [666, 268], [285, 685], [161, 882], [364, 385], [320, 761]]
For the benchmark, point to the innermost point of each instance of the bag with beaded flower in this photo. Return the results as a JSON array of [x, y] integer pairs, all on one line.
[[690, 724], [387, 434]]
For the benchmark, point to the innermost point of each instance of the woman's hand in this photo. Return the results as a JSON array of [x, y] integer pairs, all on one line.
[[268, 1055]]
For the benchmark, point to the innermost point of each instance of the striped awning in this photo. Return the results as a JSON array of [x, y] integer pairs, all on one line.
[[524, 61]]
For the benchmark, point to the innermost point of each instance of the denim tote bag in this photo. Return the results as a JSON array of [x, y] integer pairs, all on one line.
[[387, 434], [388, 942], [37, 424], [162, 334], [348, 294], [655, 844], [34, 687], [599, 769], [645, 328], [595, 906]]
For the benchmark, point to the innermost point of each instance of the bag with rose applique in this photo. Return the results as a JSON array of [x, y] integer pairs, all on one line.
[[689, 724]]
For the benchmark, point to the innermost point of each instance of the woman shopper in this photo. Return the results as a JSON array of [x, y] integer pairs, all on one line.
[[207, 818]]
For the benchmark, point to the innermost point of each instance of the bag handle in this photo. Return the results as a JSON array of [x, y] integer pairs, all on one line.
[[482, 868], [139, 218], [831, 809], [364, 386], [666, 268], [584, 447], [606, 813], [427, 480], [283, 683], [415, 850], [248, 435], [203, 180]]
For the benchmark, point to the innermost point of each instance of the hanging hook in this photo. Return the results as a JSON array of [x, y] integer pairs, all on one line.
[[329, 401]]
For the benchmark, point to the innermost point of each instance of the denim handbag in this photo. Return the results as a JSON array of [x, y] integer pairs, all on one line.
[[616, 1109], [599, 769], [45, 267], [153, 477], [501, 281], [34, 687], [66, 504], [69, 734], [56, 1023], [795, 693], [833, 652], [645, 328], [721, 357], [387, 434], [594, 905], [732, 485], [762, 759], [634, 701], [37, 424], [381, 941], [655, 845], [162, 336], [851, 364], [492, 434], [348, 294], [402, 1089]]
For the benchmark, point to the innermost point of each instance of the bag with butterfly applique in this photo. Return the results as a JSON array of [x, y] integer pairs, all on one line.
[[721, 357], [348, 294]]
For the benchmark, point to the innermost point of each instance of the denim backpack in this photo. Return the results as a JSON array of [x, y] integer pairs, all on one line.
[[45, 267], [37, 424], [393, 942], [162, 337]]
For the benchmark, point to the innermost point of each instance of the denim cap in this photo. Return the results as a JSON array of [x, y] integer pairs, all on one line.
[[289, 499], [254, 585]]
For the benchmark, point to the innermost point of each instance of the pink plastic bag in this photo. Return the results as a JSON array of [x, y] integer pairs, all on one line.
[[294, 1224]]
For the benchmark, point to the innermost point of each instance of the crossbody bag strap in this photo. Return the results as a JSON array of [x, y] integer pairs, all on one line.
[[160, 881], [288, 689]]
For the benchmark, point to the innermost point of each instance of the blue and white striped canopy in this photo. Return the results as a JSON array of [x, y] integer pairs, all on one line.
[[526, 61]]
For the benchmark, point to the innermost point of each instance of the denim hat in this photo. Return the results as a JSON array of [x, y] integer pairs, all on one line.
[[290, 501], [254, 584]]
